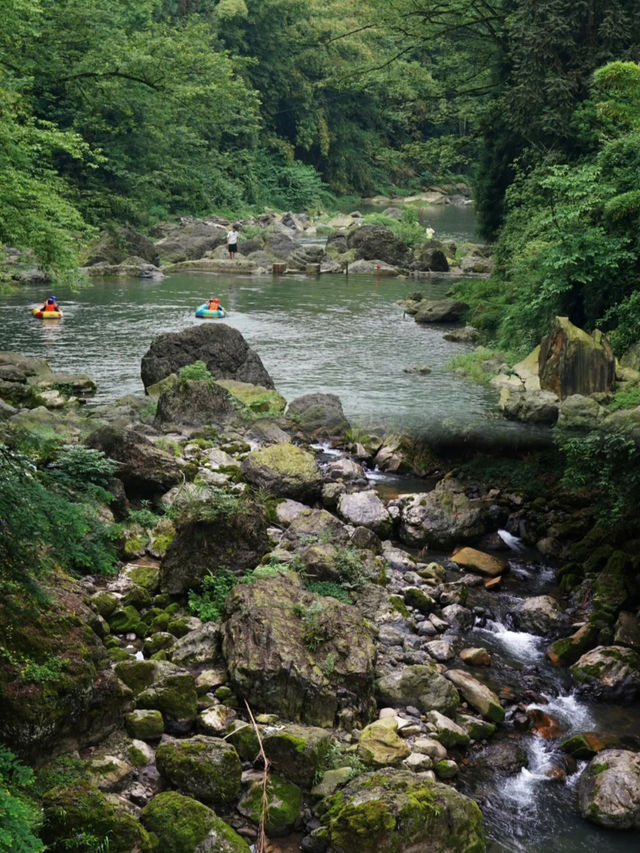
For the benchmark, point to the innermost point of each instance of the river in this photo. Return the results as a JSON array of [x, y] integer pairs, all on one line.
[[341, 334]]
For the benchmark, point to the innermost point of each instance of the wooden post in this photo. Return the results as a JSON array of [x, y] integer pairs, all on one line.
[[278, 269]]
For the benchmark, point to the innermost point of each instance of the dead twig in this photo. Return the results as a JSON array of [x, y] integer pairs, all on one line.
[[261, 843]]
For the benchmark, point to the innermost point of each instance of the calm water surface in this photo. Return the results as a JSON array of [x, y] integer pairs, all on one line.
[[344, 335]]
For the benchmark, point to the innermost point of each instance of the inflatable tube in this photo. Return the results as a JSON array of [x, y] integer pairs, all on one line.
[[203, 311], [46, 315]]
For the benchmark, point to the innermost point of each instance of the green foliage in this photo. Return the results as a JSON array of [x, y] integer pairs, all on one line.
[[63, 770], [144, 516], [532, 476], [479, 364], [626, 398], [50, 670], [78, 469], [338, 756], [20, 816], [41, 527], [593, 463], [330, 589], [349, 567], [408, 228], [216, 586], [209, 504], [197, 371], [314, 631]]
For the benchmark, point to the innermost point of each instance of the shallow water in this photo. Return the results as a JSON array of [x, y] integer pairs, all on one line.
[[344, 335]]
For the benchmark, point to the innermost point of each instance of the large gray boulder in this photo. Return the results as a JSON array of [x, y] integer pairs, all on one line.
[[223, 349], [119, 242], [190, 240], [301, 656], [574, 362], [421, 685], [445, 516], [367, 510], [540, 615], [440, 311], [375, 242], [429, 256], [236, 539], [203, 767], [609, 671], [145, 470], [319, 415], [194, 403], [609, 789]]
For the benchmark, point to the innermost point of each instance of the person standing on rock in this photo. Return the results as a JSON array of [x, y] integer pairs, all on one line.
[[232, 242]]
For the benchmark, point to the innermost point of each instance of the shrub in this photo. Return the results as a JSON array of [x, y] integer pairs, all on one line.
[[197, 371], [207, 605], [19, 815]]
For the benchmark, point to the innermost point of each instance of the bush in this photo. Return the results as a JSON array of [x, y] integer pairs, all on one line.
[[207, 605], [19, 814], [197, 371], [41, 528]]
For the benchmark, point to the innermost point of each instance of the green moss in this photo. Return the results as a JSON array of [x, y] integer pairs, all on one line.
[[284, 805], [145, 576], [204, 767], [144, 724], [136, 674], [82, 809], [180, 823], [360, 826]]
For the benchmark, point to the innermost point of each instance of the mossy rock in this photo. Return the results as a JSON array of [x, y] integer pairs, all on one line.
[[82, 808], [125, 620], [105, 602], [175, 696], [243, 738], [417, 598], [285, 470], [144, 575], [284, 805], [181, 823], [381, 746], [204, 767], [144, 724], [297, 752], [254, 397], [161, 640], [393, 812], [583, 746], [137, 674], [137, 596]]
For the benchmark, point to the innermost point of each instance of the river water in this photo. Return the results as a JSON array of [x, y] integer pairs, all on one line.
[[341, 334]]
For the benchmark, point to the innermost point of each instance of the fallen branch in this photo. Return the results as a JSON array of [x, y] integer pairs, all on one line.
[[261, 843]]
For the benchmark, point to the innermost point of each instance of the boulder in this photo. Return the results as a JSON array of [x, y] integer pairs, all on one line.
[[236, 538], [609, 789], [81, 811], [578, 412], [295, 654], [285, 470], [180, 822], [478, 561], [477, 694], [420, 685], [319, 415], [256, 398], [190, 239], [316, 525], [117, 244], [430, 257], [535, 407], [194, 403], [206, 768], [297, 753], [56, 682], [440, 311], [280, 244], [444, 517], [367, 510], [279, 800], [540, 615], [381, 746], [222, 348], [398, 811], [376, 242], [145, 470], [574, 362], [609, 671]]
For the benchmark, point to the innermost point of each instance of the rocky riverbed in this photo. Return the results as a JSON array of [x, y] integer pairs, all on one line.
[[286, 653]]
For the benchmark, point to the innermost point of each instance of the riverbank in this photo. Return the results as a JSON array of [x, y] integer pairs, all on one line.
[[267, 525]]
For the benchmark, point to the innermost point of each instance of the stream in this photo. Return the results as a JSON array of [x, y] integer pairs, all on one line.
[[348, 336]]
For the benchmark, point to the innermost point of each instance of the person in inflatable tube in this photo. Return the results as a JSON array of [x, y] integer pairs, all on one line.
[[51, 304], [213, 304]]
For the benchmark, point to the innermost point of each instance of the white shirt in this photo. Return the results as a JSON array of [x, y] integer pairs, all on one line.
[[232, 238]]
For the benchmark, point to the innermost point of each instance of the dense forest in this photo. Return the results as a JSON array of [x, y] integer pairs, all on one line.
[[139, 112]]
